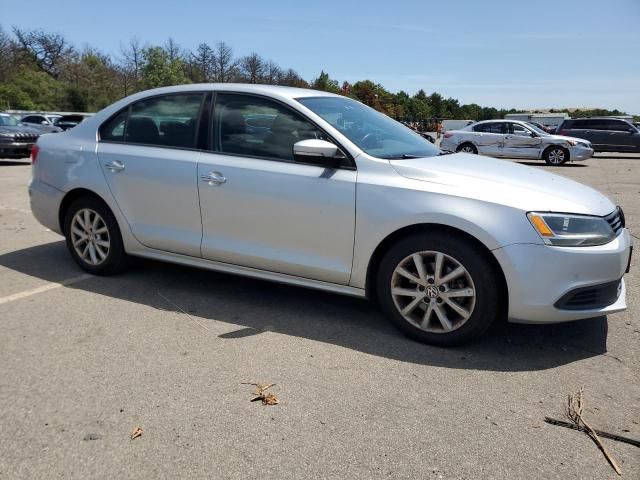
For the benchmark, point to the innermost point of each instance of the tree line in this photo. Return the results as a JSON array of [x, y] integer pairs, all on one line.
[[40, 70]]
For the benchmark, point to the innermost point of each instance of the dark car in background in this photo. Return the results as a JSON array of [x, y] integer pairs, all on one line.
[[66, 122], [605, 134], [16, 139]]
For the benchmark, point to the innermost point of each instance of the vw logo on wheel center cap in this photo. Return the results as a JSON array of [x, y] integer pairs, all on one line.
[[431, 291]]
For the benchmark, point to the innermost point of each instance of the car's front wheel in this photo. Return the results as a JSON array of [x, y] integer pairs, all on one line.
[[439, 289], [93, 237], [556, 156]]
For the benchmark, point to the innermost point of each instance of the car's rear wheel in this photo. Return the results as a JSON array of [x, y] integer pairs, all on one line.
[[467, 148], [556, 156], [93, 237], [439, 289]]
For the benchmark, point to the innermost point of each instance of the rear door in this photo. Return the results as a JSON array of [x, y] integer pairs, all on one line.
[[621, 136], [489, 138], [148, 156], [520, 142]]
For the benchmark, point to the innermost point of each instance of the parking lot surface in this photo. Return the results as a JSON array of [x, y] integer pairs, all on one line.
[[84, 360]]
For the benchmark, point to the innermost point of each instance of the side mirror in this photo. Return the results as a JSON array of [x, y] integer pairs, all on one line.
[[534, 134], [318, 152], [44, 122]]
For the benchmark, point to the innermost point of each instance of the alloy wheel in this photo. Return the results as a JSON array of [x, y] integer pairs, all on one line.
[[467, 149], [556, 156], [90, 236], [433, 291]]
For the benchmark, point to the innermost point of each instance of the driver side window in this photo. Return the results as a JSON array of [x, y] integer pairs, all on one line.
[[519, 130], [258, 127]]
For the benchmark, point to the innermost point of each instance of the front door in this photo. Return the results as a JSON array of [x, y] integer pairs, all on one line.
[[519, 142], [148, 157], [262, 209]]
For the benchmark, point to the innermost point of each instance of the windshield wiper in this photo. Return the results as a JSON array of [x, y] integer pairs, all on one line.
[[446, 152]]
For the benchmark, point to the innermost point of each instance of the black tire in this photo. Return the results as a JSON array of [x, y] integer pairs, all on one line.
[[486, 281], [556, 156], [116, 258], [469, 146]]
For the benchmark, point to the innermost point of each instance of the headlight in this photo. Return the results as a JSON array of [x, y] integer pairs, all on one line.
[[567, 230]]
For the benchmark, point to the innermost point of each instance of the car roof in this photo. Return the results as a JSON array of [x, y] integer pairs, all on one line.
[[271, 90]]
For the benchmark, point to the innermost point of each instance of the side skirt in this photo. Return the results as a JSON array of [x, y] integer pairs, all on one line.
[[249, 272]]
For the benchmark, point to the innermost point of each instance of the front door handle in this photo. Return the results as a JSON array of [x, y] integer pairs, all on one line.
[[213, 178], [115, 166]]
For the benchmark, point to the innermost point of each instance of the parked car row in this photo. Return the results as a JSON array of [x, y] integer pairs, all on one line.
[[17, 136], [516, 139], [576, 139]]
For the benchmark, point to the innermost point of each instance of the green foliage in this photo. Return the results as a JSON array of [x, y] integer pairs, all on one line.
[[160, 70], [42, 71]]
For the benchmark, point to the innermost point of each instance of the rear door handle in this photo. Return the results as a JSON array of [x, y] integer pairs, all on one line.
[[213, 178], [115, 166]]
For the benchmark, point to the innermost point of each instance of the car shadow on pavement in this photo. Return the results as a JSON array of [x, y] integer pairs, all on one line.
[[256, 306], [14, 163], [566, 165]]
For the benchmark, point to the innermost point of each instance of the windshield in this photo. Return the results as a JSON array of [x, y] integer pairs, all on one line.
[[8, 121], [375, 133], [536, 129]]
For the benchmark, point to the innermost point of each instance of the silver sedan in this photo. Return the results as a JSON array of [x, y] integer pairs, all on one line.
[[515, 139], [317, 190]]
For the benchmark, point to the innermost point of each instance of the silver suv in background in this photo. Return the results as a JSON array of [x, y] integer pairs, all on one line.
[[516, 139], [606, 134]]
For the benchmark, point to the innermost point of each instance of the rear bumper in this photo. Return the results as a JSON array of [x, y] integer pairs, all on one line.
[[45, 203], [539, 276]]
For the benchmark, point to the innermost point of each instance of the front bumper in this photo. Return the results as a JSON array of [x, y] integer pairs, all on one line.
[[15, 149], [580, 153], [538, 276]]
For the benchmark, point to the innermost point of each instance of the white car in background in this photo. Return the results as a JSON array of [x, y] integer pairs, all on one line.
[[515, 139]]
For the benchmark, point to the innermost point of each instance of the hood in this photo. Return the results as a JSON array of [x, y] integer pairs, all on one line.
[[18, 129], [505, 183], [565, 139]]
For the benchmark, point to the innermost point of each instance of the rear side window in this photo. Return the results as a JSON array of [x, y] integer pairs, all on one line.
[[494, 127], [616, 125], [167, 121], [255, 126], [588, 124]]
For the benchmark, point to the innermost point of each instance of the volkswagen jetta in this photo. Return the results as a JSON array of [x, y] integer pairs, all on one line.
[[317, 190]]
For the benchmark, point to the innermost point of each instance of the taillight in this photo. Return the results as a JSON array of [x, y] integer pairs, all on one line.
[[562, 132], [34, 153], [448, 135]]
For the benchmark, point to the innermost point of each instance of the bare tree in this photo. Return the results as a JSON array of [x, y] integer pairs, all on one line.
[[202, 64], [226, 66], [130, 66], [174, 52], [6, 55], [272, 73], [47, 50], [252, 68]]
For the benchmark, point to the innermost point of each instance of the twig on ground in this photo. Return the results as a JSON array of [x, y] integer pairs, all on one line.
[[612, 436], [574, 411], [182, 310]]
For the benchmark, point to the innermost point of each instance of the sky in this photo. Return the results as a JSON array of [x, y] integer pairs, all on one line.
[[517, 53]]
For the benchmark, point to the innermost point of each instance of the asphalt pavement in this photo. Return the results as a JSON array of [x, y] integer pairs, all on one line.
[[84, 360]]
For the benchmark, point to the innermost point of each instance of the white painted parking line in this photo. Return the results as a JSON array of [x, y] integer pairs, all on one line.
[[43, 288]]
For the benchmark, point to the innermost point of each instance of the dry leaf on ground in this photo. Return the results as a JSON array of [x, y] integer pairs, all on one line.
[[137, 432], [261, 393]]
